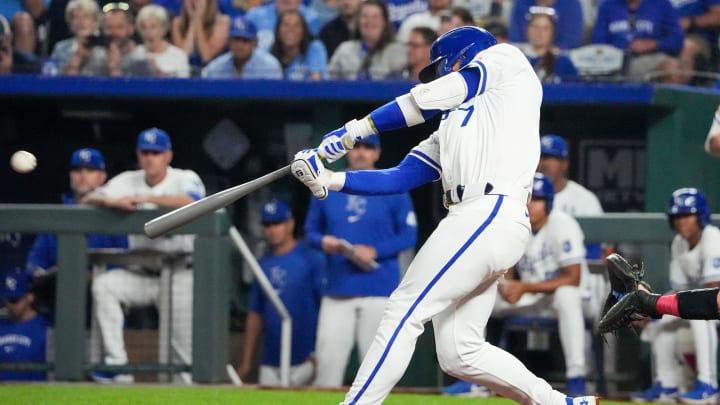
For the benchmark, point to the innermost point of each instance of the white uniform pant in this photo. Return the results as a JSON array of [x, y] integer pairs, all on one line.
[[119, 287], [566, 305], [341, 323], [663, 340], [301, 374], [453, 281]]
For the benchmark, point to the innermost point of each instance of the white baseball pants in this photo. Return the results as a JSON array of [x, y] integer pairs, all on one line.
[[119, 287], [566, 305], [341, 323], [301, 374], [453, 281]]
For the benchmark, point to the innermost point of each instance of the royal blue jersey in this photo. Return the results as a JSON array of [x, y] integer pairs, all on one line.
[[386, 223], [43, 254], [656, 19], [22, 342], [692, 8], [298, 277]]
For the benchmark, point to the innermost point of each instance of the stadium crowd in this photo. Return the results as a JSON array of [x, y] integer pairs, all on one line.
[[565, 40]]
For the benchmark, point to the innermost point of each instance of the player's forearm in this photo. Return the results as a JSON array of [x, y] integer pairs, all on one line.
[[96, 199], [253, 326], [170, 201], [410, 173], [549, 286]]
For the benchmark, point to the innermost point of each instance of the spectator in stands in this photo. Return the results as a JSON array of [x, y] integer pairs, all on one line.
[[201, 31], [649, 31], [363, 237], [418, 51], [454, 18], [164, 58], [498, 29], [343, 28], [700, 20], [245, 60], [11, 60], [399, 10], [265, 18], [296, 272], [429, 18], [24, 16], [549, 279], [87, 172], [119, 28], [568, 25], [23, 337], [155, 185], [301, 56], [80, 55], [550, 64], [375, 55], [236, 8], [712, 141]]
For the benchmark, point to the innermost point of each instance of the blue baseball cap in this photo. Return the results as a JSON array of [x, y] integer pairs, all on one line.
[[87, 157], [240, 27], [372, 141], [553, 145], [154, 139], [15, 284], [275, 211]]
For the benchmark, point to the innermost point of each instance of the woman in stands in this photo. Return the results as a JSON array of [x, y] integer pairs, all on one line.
[[164, 58], [201, 31], [301, 56], [550, 64]]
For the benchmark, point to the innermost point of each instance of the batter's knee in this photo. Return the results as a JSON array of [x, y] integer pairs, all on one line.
[[455, 360]]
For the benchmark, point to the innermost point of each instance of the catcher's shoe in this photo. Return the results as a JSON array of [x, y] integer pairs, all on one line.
[[631, 307]]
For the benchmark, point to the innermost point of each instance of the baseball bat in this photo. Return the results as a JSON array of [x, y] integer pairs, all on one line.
[[181, 216]]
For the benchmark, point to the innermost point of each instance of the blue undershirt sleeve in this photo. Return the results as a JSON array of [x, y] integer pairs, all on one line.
[[410, 173], [390, 117], [471, 74]]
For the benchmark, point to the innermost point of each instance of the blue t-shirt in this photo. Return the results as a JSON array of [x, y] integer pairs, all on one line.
[[8, 8], [315, 60], [565, 70], [690, 8], [656, 20], [22, 342], [569, 26], [386, 223], [43, 254], [298, 277], [262, 65], [265, 18]]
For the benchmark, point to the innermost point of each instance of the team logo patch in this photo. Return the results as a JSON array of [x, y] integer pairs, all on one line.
[[716, 262], [566, 246]]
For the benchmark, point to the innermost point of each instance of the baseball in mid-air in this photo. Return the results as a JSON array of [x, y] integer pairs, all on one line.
[[23, 161]]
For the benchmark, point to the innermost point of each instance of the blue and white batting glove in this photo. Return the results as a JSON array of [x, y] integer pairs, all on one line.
[[308, 168], [338, 142]]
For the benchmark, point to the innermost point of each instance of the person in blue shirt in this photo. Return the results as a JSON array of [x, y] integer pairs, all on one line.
[[265, 18], [297, 274], [87, 172], [245, 60], [301, 56], [371, 231], [23, 336], [550, 64], [650, 33], [569, 25]]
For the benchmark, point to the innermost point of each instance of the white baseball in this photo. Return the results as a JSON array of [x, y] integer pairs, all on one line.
[[23, 161]]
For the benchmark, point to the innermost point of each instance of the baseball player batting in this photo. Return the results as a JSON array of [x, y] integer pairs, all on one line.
[[485, 152]]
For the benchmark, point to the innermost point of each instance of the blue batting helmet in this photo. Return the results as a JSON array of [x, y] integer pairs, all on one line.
[[689, 200], [543, 188], [461, 43]]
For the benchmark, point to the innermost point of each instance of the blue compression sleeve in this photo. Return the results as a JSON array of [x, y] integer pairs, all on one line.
[[410, 173], [472, 79], [390, 116]]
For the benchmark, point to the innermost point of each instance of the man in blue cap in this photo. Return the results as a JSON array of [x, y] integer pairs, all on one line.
[[377, 229], [23, 336], [155, 185], [244, 60], [87, 172], [296, 273]]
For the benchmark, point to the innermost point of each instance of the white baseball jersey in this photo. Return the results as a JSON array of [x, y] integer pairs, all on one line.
[[693, 268], [474, 140], [577, 200], [558, 244], [176, 182]]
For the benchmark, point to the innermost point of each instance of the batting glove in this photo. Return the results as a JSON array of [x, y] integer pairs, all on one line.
[[308, 168], [336, 144]]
